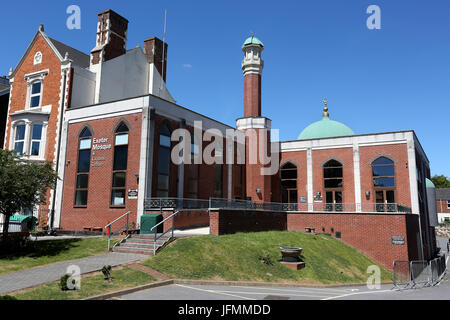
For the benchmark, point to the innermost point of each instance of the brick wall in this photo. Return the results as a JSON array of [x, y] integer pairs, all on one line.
[[227, 221], [98, 211], [370, 234], [441, 206], [398, 153]]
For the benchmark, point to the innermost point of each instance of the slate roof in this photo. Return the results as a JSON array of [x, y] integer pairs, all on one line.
[[443, 194], [79, 58]]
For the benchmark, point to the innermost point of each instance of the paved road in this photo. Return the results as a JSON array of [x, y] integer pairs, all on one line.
[[40, 275], [202, 292]]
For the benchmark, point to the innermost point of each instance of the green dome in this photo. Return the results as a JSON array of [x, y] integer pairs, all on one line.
[[430, 184], [325, 128], [252, 40]]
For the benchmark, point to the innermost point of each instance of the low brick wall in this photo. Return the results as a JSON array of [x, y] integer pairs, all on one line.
[[228, 221], [370, 234], [186, 219]]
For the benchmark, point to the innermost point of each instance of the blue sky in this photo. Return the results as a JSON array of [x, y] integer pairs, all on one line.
[[396, 78]]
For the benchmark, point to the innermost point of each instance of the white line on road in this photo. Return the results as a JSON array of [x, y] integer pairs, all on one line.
[[356, 293], [213, 291]]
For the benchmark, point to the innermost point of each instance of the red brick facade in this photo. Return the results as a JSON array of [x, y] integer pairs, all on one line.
[[99, 211], [443, 206], [369, 233]]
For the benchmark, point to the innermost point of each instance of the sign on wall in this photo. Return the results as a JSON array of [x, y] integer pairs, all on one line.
[[132, 194], [398, 240]]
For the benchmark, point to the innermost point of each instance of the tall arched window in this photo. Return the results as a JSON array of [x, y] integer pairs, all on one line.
[[164, 162], [119, 178], [333, 185], [84, 164], [383, 173], [193, 172], [289, 193]]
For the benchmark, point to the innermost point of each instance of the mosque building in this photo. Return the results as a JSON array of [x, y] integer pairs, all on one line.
[[106, 120]]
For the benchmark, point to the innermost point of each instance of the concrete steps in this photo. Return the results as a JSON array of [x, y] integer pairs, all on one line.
[[141, 244]]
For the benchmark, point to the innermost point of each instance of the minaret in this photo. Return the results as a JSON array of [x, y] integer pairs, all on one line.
[[256, 127], [252, 66]]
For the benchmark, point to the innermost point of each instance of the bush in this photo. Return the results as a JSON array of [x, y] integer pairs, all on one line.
[[16, 243], [7, 298], [106, 270], [63, 283]]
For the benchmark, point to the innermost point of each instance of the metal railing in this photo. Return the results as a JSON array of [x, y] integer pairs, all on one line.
[[172, 216], [420, 273], [160, 204], [109, 233]]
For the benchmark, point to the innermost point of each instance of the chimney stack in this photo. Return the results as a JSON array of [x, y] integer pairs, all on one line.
[[154, 48], [111, 37]]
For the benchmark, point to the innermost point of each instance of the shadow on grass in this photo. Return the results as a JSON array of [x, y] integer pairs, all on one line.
[[37, 249]]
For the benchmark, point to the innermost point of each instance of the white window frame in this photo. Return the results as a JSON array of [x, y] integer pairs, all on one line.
[[27, 142], [448, 204], [32, 78], [24, 147], [40, 152], [31, 95]]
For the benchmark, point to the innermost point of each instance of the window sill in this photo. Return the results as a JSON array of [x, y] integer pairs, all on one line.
[[80, 207], [117, 207]]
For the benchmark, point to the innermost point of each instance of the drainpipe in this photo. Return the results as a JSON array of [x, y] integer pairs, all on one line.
[[61, 119]]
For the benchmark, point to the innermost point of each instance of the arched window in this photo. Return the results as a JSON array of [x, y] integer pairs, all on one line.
[[84, 164], [218, 181], [19, 138], [164, 162], [193, 172], [383, 174], [333, 185], [289, 192], [118, 189]]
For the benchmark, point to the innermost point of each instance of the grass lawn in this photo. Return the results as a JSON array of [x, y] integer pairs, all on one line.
[[239, 257], [51, 251], [91, 285]]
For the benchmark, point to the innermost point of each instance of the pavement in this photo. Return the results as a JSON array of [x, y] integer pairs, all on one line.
[[215, 292], [36, 276]]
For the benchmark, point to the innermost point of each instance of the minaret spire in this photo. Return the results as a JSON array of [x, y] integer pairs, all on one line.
[[325, 109]]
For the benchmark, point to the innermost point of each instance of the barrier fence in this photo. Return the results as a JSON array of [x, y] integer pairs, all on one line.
[[417, 274], [218, 203]]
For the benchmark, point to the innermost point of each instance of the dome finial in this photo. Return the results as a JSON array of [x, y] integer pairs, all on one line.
[[325, 109]]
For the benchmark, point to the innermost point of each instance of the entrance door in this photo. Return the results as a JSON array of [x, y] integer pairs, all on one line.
[[333, 200], [385, 200]]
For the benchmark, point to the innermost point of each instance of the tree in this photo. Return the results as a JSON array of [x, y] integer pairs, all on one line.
[[23, 184], [441, 181]]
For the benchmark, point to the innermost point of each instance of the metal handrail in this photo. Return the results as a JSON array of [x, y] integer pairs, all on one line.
[[162, 234], [220, 203], [109, 225]]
